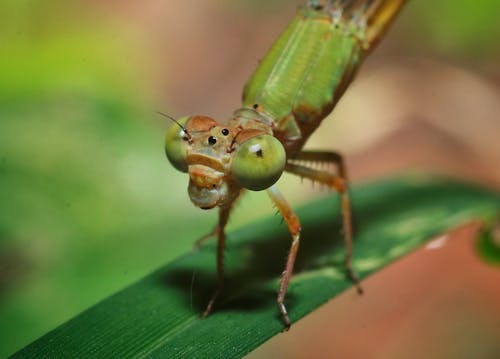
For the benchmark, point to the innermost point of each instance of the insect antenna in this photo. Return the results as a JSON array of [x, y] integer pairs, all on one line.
[[178, 124]]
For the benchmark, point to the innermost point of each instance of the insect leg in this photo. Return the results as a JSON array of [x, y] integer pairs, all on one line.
[[294, 227], [219, 229], [215, 231], [199, 242], [301, 165]]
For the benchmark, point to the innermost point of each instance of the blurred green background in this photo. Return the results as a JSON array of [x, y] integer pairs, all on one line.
[[88, 201]]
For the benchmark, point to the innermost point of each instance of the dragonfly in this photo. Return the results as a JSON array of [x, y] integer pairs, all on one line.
[[294, 87]]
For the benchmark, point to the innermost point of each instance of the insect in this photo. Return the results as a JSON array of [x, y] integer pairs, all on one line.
[[295, 86]]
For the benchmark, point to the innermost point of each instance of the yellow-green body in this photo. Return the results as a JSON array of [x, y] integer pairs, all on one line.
[[292, 90], [304, 74]]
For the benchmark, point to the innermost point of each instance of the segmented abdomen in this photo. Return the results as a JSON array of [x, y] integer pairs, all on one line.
[[304, 74]]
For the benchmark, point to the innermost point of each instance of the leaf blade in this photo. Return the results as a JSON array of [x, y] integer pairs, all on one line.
[[159, 315]]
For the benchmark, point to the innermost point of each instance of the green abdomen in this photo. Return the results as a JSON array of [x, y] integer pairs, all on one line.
[[303, 75]]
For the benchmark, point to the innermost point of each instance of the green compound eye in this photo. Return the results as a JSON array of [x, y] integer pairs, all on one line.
[[176, 146], [259, 162]]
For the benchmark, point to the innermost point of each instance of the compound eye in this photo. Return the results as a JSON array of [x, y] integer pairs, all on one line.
[[176, 145], [259, 162]]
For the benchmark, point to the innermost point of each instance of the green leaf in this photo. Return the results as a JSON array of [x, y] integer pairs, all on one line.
[[488, 244], [159, 315]]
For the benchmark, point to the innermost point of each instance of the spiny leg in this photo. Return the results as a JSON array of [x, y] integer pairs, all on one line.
[[301, 166], [224, 212], [294, 227]]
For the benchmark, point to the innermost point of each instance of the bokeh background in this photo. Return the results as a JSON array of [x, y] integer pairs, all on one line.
[[89, 204]]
